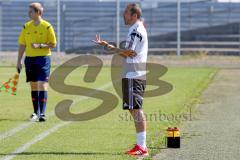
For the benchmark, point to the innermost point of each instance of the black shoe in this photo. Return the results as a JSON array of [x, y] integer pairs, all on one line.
[[42, 118]]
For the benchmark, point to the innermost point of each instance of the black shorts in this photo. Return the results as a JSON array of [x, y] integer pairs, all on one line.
[[37, 68], [133, 91]]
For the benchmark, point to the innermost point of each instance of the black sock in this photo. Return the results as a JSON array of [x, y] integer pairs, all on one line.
[[42, 101], [35, 101]]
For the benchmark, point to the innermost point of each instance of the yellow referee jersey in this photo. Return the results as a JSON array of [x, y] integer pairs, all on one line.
[[42, 33]]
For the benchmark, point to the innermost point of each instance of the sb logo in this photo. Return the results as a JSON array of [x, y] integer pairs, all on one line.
[[109, 100]]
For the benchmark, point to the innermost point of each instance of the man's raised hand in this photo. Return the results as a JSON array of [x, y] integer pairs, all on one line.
[[99, 41]]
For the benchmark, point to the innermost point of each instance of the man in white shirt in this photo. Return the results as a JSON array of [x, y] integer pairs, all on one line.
[[134, 73]]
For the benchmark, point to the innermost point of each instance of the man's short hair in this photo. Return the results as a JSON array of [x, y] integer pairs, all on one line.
[[37, 7], [135, 9]]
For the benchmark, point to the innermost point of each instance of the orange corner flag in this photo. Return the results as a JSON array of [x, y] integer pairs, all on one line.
[[11, 85]]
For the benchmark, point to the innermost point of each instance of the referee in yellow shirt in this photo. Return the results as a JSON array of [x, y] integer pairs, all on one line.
[[36, 40]]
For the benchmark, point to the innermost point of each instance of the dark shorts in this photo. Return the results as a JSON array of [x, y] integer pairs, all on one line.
[[133, 91], [37, 68]]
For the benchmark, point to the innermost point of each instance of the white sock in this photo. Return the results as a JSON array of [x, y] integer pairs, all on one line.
[[141, 139]]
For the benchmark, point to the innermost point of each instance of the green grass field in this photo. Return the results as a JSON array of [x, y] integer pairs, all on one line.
[[106, 137]]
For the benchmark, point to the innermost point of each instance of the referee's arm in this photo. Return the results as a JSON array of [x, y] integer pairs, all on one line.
[[43, 45], [21, 49]]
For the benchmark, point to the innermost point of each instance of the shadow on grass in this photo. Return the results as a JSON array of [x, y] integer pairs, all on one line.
[[14, 120], [157, 148], [62, 153]]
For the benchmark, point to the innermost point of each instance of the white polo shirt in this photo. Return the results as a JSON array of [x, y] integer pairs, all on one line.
[[137, 40]]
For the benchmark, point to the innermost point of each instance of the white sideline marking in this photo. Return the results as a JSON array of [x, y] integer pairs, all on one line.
[[34, 140], [49, 131], [15, 130], [19, 128]]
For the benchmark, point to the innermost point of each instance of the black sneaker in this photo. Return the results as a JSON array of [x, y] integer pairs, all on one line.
[[42, 118]]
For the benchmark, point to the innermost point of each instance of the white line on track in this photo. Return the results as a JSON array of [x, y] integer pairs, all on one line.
[[15, 130], [34, 140]]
